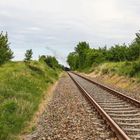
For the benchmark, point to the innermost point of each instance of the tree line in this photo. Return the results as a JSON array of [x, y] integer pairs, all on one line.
[[6, 54], [84, 56]]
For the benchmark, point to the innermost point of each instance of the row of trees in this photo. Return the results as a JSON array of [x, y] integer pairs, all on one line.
[[84, 56], [6, 53], [51, 61]]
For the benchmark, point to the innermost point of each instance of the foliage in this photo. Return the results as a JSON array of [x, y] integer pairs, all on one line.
[[118, 53], [81, 51], [21, 90], [84, 57], [28, 55], [126, 68], [51, 61], [72, 60], [42, 58], [5, 52]]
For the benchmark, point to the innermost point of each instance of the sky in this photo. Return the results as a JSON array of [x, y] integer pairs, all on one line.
[[54, 27]]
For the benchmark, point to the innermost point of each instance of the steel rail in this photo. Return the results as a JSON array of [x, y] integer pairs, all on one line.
[[114, 127], [112, 91]]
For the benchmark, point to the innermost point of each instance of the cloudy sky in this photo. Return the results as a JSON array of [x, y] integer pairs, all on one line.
[[54, 27]]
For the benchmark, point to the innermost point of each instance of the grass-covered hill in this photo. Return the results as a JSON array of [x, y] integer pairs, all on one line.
[[22, 86], [128, 69]]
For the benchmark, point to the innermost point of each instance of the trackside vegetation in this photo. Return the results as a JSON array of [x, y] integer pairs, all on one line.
[[22, 87], [122, 59], [129, 69]]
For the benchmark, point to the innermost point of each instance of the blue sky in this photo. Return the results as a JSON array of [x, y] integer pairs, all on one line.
[[54, 27]]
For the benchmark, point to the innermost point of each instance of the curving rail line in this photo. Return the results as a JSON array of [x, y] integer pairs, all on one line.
[[121, 113]]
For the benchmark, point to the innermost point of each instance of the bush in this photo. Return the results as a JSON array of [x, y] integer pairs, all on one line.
[[135, 68], [105, 70], [51, 61]]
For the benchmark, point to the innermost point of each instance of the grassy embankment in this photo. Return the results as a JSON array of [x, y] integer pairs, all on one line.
[[128, 69], [21, 89], [122, 75]]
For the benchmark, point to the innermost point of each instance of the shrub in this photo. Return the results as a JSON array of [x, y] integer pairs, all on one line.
[[51, 61], [105, 70]]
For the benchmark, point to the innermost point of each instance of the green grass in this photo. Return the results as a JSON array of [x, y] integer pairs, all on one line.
[[129, 69], [21, 91]]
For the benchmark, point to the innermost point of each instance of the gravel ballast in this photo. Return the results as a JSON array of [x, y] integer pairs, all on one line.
[[121, 111], [69, 116], [116, 84]]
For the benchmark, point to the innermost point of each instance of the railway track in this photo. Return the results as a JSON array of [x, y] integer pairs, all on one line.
[[121, 113]]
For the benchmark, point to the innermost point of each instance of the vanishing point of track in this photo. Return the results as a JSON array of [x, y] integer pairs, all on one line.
[[121, 113]]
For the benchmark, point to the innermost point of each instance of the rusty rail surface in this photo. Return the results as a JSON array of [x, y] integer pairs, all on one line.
[[114, 127]]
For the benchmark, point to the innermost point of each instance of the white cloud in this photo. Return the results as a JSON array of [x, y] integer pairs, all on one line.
[[60, 24]]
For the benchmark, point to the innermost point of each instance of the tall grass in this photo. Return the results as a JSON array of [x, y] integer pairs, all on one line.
[[21, 90], [130, 69]]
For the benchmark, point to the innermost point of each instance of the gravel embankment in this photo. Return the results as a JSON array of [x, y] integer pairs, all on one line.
[[118, 109], [70, 117]]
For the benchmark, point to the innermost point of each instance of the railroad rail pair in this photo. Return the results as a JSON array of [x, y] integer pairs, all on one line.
[[121, 112]]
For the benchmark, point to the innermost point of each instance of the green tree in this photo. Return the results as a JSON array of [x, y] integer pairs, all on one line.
[[118, 53], [138, 38], [42, 58], [5, 52], [84, 57], [73, 60], [81, 50], [28, 55], [52, 62], [134, 48], [94, 56]]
